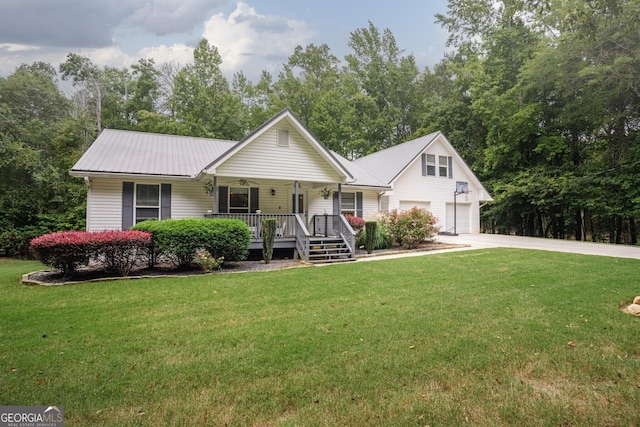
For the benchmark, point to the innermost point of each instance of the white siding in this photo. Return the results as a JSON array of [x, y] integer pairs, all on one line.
[[189, 200], [104, 201], [435, 190], [263, 158], [104, 204], [370, 204], [405, 205]]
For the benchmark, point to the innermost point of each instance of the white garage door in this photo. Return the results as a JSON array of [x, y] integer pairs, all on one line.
[[405, 205], [463, 218]]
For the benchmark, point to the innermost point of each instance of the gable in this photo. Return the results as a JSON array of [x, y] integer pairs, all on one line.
[[403, 163], [269, 154]]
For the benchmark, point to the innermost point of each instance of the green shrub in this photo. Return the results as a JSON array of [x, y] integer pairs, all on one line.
[[371, 230], [227, 238], [413, 227], [208, 263], [382, 237], [268, 238], [176, 239], [180, 239]]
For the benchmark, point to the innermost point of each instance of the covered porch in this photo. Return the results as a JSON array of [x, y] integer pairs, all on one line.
[[328, 238]]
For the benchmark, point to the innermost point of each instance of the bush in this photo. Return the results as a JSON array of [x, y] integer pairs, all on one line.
[[268, 238], [176, 239], [16, 242], [116, 250], [413, 227], [208, 263], [371, 230], [382, 237], [355, 222], [180, 239], [64, 251], [228, 238], [120, 251]]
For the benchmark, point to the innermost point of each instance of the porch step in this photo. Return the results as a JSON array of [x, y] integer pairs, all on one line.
[[328, 249]]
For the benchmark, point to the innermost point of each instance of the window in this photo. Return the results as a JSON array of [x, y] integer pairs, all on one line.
[[147, 202], [443, 166], [283, 138], [348, 204], [238, 200], [431, 164]]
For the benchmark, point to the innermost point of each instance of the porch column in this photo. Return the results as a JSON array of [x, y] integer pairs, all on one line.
[[339, 199], [296, 203], [215, 194]]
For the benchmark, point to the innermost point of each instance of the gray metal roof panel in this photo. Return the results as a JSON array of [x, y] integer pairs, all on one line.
[[128, 152], [387, 164], [360, 176]]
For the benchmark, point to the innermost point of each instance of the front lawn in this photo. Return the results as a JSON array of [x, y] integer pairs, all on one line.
[[487, 337]]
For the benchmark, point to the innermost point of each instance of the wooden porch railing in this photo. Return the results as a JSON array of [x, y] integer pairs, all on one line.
[[285, 223], [292, 227]]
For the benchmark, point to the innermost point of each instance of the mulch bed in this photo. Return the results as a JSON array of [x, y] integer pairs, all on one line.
[[94, 274]]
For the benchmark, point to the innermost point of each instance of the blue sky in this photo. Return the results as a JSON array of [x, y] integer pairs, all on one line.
[[251, 35]]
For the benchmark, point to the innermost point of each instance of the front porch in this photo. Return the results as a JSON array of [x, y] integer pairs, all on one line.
[[331, 237]]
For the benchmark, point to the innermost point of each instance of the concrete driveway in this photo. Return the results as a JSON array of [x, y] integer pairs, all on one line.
[[477, 241]]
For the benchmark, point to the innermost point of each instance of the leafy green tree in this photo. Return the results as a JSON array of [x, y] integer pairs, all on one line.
[[203, 99], [388, 78]]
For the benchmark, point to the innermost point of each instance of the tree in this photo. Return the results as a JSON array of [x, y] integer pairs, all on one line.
[[388, 78], [87, 77], [203, 99]]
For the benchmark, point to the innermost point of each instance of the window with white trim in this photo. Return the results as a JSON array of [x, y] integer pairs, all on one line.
[[239, 200], [443, 166], [147, 202], [431, 164], [348, 204]]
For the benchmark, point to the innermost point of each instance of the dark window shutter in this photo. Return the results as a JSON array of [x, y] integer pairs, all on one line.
[[336, 207], [424, 164], [127, 205], [165, 201], [223, 202], [254, 202], [359, 204], [450, 167]]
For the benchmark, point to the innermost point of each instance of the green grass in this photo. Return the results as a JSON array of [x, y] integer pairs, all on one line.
[[476, 337]]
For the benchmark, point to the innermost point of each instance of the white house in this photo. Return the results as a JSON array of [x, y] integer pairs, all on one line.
[[280, 170]]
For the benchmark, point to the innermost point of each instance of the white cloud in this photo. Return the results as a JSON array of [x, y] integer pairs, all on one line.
[[12, 47], [250, 42], [180, 53]]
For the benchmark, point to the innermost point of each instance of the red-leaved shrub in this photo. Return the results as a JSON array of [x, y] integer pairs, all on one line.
[[66, 251], [120, 250], [355, 222]]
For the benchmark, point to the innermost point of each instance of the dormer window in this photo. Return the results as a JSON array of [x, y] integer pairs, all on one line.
[[283, 138]]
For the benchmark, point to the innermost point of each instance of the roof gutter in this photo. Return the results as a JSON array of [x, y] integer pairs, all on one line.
[[91, 174]]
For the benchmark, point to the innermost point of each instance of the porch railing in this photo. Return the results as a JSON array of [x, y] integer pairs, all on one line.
[[334, 225], [293, 227], [285, 223]]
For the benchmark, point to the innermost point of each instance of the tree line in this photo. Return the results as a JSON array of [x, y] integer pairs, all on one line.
[[541, 99]]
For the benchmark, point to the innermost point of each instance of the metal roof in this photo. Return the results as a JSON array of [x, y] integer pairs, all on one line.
[[129, 152], [390, 162], [361, 178]]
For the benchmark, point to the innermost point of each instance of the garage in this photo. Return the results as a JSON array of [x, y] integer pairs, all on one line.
[[405, 205], [463, 218]]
